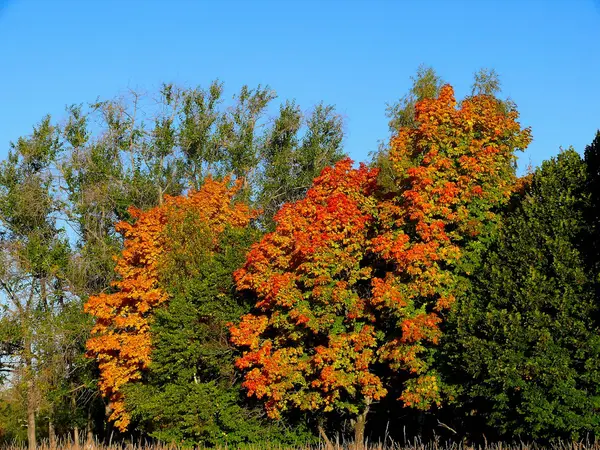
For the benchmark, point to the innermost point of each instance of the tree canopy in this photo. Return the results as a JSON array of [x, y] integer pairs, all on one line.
[[203, 271]]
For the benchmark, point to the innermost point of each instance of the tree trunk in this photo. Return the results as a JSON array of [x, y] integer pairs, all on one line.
[[43, 293], [160, 196], [108, 428], [328, 444], [31, 414], [76, 438], [27, 359], [89, 438], [51, 433], [359, 428]]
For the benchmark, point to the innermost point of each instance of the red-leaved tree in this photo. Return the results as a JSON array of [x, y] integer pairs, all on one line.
[[351, 279]]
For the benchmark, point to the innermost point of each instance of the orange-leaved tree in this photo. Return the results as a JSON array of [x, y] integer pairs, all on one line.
[[121, 341], [352, 278], [454, 168]]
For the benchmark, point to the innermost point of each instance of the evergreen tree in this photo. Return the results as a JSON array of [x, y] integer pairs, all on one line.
[[592, 249], [523, 352]]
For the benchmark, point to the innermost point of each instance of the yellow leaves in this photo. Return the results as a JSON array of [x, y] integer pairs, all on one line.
[[421, 392]]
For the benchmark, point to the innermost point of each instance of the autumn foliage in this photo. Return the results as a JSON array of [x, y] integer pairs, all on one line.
[[429, 294], [312, 340], [352, 278], [454, 168], [121, 340], [351, 287]]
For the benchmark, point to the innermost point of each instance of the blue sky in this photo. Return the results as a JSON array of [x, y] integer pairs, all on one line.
[[357, 55]]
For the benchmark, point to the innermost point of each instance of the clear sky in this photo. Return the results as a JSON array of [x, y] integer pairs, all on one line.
[[357, 55]]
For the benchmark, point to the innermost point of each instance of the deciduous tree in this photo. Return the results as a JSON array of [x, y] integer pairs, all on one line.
[[351, 278], [312, 341], [33, 256], [121, 338]]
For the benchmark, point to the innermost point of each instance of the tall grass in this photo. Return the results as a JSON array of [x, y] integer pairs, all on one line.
[[417, 444]]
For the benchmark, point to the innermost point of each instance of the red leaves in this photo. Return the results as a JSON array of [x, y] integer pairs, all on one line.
[[419, 328], [322, 313], [304, 276]]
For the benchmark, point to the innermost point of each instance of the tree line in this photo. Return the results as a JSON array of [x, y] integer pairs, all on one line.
[[190, 269]]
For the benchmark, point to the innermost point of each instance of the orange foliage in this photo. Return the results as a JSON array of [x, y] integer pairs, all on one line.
[[456, 166], [121, 341], [350, 279]]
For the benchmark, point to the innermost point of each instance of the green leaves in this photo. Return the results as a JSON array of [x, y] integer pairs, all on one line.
[[294, 152], [524, 341]]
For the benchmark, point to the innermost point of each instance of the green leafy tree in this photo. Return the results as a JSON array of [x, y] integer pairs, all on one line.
[[592, 248], [523, 351], [296, 149], [426, 84], [33, 255]]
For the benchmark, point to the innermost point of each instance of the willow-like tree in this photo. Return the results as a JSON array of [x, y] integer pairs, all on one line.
[[33, 257], [295, 150]]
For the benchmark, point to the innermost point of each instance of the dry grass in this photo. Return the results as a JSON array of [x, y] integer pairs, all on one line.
[[415, 445]]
